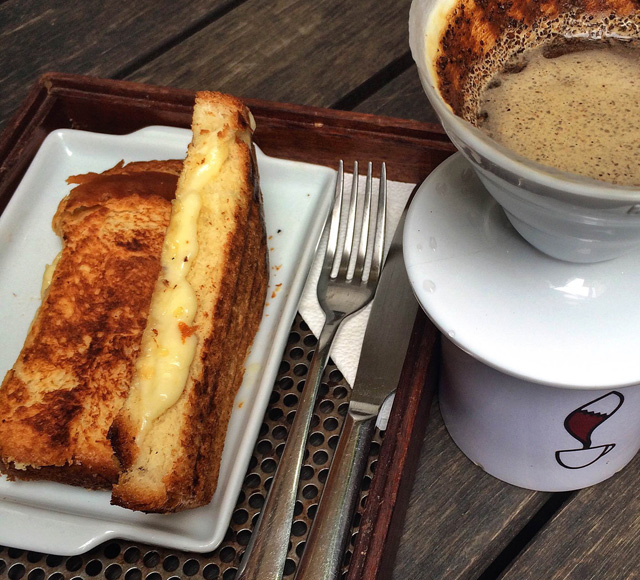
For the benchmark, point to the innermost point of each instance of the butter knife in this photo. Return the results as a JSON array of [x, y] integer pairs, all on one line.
[[384, 349]]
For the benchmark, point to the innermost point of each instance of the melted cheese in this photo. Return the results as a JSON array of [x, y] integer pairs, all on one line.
[[48, 275], [169, 343]]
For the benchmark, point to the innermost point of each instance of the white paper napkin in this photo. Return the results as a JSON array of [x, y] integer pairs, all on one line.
[[345, 352]]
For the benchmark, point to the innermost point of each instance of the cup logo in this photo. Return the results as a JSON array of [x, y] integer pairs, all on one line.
[[581, 424]]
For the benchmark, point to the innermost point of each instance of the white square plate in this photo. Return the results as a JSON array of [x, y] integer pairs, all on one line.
[[59, 519]]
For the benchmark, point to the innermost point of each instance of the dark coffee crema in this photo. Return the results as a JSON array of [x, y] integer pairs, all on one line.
[[480, 36], [482, 39], [572, 104]]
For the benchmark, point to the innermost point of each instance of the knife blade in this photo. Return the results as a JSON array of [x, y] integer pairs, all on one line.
[[384, 349]]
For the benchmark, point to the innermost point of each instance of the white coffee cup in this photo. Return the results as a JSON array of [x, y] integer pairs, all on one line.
[[567, 216]]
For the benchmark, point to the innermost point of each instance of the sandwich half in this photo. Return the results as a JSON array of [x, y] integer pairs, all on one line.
[[205, 310], [71, 378]]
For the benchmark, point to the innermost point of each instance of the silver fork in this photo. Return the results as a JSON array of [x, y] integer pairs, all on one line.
[[340, 296]]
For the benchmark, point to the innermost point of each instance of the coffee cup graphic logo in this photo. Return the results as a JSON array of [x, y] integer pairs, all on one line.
[[581, 424]]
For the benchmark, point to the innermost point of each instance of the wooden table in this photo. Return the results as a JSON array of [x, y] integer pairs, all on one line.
[[461, 523]]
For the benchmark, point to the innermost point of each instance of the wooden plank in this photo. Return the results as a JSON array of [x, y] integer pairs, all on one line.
[[596, 535], [403, 97], [89, 37], [459, 518], [310, 53]]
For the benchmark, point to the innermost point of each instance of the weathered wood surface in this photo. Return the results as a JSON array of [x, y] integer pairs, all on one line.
[[595, 536], [461, 523], [93, 37], [402, 97], [311, 53], [459, 518]]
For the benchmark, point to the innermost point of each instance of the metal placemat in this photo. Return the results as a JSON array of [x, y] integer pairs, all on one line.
[[119, 559]]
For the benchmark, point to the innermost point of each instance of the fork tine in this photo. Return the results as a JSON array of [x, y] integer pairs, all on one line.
[[347, 249], [381, 222], [334, 226], [364, 235]]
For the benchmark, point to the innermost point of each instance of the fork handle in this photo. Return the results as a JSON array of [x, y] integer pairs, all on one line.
[[327, 541], [266, 552]]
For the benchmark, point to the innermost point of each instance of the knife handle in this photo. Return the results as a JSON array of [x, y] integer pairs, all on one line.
[[329, 536]]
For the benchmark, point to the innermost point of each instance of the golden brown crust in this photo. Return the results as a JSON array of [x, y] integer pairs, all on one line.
[[246, 321], [191, 434], [71, 377], [65, 406], [193, 480]]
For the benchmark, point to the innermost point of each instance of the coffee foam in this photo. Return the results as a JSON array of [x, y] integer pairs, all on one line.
[[469, 42]]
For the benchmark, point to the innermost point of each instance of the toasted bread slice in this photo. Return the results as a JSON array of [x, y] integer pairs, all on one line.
[[170, 433], [71, 378]]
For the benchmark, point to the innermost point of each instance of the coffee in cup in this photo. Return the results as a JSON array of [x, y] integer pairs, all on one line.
[[570, 104], [555, 83], [459, 47]]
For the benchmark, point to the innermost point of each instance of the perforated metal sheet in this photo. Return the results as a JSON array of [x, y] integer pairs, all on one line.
[[129, 561]]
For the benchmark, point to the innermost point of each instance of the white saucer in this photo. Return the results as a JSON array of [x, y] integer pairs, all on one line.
[[509, 305]]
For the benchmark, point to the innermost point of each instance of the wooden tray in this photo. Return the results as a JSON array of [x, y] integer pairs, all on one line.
[[410, 149]]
